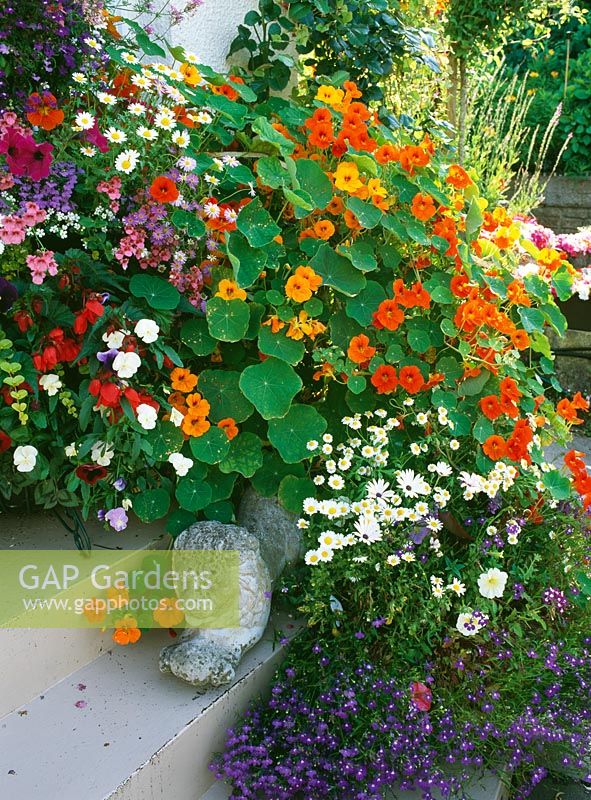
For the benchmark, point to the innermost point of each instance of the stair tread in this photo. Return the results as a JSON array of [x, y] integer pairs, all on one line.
[[129, 712]]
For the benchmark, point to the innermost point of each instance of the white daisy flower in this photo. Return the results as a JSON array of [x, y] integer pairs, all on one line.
[[137, 109], [106, 99], [84, 120], [393, 560], [312, 557], [78, 77], [149, 134], [115, 135], [88, 151], [181, 139], [127, 161]]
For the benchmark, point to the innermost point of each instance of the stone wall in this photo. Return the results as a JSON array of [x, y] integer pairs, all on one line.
[[567, 204]]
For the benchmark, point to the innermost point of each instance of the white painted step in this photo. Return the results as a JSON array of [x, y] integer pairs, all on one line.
[[31, 660], [141, 735]]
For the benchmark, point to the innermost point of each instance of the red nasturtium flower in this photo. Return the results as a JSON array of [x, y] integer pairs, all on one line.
[[491, 406], [421, 696], [411, 379], [5, 441], [91, 473], [384, 379], [163, 190], [389, 315]]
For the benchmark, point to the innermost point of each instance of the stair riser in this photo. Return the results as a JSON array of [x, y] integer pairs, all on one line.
[[180, 769]]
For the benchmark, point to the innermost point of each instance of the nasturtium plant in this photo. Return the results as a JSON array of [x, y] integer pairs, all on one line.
[[265, 269]]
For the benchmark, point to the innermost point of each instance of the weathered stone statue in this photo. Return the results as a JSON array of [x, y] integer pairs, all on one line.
[[266, 539]]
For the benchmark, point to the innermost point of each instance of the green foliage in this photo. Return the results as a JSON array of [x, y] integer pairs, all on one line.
[[367, 39]]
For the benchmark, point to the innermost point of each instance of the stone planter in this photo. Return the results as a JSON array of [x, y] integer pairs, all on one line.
[[567, 204]]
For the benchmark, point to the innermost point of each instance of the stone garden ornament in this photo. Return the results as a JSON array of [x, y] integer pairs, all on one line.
[[266, 539]]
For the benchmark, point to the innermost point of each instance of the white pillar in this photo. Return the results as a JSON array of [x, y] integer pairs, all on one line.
[[209, 30]]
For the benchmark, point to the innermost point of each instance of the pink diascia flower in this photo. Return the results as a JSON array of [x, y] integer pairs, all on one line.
[[421, 696], [13, 230], [33, 215], [41, 266]]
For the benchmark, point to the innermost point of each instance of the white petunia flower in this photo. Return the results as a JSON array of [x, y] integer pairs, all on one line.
[[147, 330], [147, 416], [126, 364], [50, 383], [114, 340], [180, 463], [492, 583], [70, 450], [24, 458]]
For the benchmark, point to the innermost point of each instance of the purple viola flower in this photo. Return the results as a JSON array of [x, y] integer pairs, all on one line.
[[107, 357], [8, 294], [117, 518], [119, 484]]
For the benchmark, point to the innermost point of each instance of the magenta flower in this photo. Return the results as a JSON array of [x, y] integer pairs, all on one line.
[[25, 157], [95, 137]]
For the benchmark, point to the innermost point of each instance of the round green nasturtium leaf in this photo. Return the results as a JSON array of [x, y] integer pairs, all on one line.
[[356, 384], [280, 346], [159, 294], [151, 504], [247, 262], [314, 307], [179, 521], [193, 495], [267, 479], [211, 447], [270, 387], [291, 433], [257, 311], [257, 224], [313, 180], [222, 391], [245, 456], [338, 272], [188, 220], [557, 484], [165, 439], [293, 491], [362, 307], [222, 485], [483, 428], [227, 320], [195, 334], [221, 512]]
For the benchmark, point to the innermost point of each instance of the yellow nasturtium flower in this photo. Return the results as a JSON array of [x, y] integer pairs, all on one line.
[[346, 177]]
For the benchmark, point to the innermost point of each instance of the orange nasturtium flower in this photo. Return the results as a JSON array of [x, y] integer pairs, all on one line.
[[458, 177], [195, 424], [168, 614], [360, 351], [495, 447], [163, 190], [183, 380], [302, 284], [389, 315], [346, 177], [384, 379], [423, 207], [191, 74], [229, 427], [324, 229], [229, 290], [197, 406], [491, 406], [43, 111], [127, 631]]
